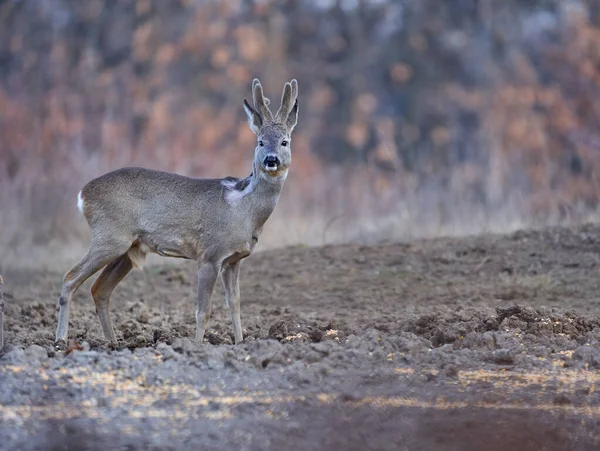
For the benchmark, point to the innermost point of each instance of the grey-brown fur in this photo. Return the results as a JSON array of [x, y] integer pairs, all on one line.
[[217, 222]]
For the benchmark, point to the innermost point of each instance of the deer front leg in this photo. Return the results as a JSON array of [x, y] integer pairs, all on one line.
[[230, 277], [207, 276]]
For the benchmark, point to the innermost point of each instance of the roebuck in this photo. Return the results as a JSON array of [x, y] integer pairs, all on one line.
[[217, 222]]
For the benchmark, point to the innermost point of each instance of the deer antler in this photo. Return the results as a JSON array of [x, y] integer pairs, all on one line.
[[260, 102], [288, 98]]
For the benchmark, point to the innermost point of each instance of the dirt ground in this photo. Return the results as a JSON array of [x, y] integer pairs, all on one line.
[[490, 342]]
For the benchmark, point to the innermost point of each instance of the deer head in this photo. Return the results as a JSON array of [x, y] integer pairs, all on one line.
[[272, 156]]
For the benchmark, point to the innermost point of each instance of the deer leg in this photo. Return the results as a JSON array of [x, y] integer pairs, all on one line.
[[96, 257], [110, 277], [207, 277], [230, 277]]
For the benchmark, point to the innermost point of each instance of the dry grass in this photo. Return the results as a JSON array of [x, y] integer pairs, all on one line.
[[43, 228], [512, 146]]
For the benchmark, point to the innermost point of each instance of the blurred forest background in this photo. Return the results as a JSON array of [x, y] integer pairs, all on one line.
[[417, 117]]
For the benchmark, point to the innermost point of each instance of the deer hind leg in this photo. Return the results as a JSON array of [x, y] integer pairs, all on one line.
[[207, 277], [103, 287], [97, 256], [230, 278]]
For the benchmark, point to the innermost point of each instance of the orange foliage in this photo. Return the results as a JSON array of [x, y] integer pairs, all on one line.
[[399, 112]]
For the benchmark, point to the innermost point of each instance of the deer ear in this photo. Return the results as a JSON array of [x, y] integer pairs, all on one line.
[[292, 118], [254, 119]]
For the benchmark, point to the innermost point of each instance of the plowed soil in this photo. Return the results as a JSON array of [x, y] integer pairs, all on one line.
[[488, 342]]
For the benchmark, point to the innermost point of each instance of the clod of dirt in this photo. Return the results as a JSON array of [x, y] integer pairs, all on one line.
[[35, 352], [185, 345], [13, 357], [587, 355], [215, 339], [503, 357], [137, 341], [167, 352], [523, 313], [31, 354], [347, 397], [546, 322], [315, 335], [143, 317], [278, 331], [160, 336], [562, 399], [451, 371]]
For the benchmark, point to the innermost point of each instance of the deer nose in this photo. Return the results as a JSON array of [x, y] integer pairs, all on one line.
[[272, 161]]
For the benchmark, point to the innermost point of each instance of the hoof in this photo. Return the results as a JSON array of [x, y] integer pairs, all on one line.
[[60, 344]]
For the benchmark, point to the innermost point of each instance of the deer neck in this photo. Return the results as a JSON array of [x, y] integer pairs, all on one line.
[[263, 196], [255, 197]]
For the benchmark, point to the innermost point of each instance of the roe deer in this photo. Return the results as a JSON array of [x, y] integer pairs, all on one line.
[[217, 222]]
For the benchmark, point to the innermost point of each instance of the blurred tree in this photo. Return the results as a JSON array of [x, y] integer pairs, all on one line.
[[476, 97]]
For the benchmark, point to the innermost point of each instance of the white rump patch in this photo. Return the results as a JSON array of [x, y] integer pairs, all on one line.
[[80, 202]]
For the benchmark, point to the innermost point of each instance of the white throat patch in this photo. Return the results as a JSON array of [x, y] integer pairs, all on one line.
[[80, 202], [234, 196]]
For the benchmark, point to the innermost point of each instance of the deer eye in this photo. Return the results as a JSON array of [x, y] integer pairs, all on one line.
[[260, 143], [284, 143]]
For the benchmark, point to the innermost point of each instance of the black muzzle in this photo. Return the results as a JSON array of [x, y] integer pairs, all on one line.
[[272, 162]]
